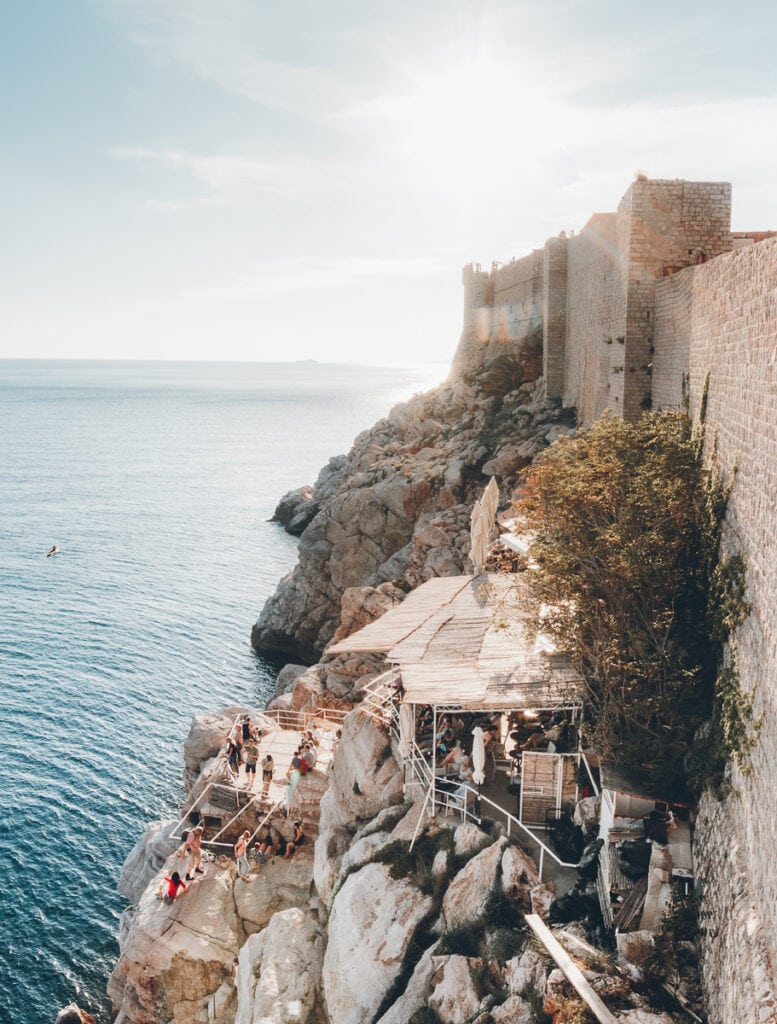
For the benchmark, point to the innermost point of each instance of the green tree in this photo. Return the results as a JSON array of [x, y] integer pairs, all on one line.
[[627, 525]]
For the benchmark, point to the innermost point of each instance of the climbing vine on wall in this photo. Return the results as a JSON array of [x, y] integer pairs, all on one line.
[[630, 578]]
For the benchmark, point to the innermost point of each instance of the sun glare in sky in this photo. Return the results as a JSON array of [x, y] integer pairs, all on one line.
[[229, 179]]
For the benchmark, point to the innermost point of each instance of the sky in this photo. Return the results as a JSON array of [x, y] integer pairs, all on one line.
[[256, 180]]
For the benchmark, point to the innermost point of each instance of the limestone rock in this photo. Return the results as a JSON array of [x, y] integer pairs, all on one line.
[[207, 735], [328, 853], [542, 898], [384, 821], [362, 605], [416, 993], [364, 778], [287, 677], [457, 991], [363, 850], [272, 887], [279, 971], [465, 902], [514, 1011], [371, 928], [175, 957], [469, 839], [519, 875], [295, 510], [72, 1014], [525, 975], [146, 859], [395, 508]]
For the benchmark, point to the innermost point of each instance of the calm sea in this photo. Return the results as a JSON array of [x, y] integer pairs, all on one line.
[[156, 481]]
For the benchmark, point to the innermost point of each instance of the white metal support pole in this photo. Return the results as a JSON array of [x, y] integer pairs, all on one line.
[[434, 761]]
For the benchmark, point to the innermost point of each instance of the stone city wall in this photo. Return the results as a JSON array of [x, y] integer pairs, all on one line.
[[629, 306], [721, 319], [595, 319]]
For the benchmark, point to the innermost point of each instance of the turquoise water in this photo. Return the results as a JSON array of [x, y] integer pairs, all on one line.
[[156, 482]]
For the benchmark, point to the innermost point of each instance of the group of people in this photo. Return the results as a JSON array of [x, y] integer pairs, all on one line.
[[268, 845], [191, 849], [243, 747]]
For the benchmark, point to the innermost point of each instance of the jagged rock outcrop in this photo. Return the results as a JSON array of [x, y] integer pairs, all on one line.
[[206, 737], [279, 971], [146, 859], [296, 510], [371, 927], [365, 777], [396, 509]]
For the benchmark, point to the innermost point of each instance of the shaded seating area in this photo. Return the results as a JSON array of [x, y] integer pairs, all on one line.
[[485, 716]]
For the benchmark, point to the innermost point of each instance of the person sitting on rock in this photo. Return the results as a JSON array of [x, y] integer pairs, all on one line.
[[296, 840], [265, 847], [171, 887], [309, 755]]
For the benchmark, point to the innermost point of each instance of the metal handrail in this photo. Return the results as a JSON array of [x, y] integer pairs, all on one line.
[[510, 819]]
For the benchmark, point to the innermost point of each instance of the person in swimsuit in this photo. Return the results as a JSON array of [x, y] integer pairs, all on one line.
[[192, 848], [53, 550], [241, 855], [296, 840], [268, 767]]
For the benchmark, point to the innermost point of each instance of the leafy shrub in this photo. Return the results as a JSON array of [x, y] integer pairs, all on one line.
[[628, 522]]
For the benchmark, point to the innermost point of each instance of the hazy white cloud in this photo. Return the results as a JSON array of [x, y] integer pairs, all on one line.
[[234, 177], [237, 45], [286, 276]]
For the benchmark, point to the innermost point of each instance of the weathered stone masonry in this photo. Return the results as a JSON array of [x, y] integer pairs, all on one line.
[[639, 299]]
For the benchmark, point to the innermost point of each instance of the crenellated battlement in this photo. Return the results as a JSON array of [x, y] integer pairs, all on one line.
[[593, 295]]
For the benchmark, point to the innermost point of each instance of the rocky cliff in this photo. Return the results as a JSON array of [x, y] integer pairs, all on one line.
[[361, 929], [395, 511]]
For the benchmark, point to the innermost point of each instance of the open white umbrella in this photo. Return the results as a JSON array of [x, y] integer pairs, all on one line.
[[478, 756], [406, 723]]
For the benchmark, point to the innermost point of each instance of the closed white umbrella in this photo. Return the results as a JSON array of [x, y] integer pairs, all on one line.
[[490, 500], [406, 729], [478, 756]]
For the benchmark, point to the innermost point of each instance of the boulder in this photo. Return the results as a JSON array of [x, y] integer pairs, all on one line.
[[372, 925], [542, 899], [457, 989], [72, 1014], [466, 901], [279, 971], [469, 839], [525, 975], [364, 777], [363, 850], [519, 875], [645, 1017], [295, 510], [328, 853], [272, 887], [147, 858], [287, 677], [514, 1011], [207, 735], [416, 993]]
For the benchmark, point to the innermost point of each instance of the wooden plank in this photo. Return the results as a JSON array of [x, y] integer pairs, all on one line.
[[572, 973]]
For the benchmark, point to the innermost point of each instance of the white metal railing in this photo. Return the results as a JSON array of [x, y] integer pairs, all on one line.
[[422, 771], [442, 799], [378, 699], [584, 759]]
